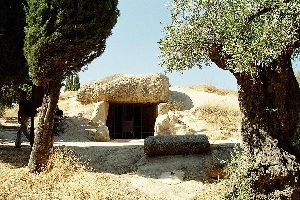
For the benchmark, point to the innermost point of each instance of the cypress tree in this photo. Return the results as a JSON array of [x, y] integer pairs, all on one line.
[[62, 36], [68, 84], [76, 82]]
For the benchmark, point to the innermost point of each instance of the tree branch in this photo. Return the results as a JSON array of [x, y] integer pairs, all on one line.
[[297, 44], [216, 56], [260, 12]]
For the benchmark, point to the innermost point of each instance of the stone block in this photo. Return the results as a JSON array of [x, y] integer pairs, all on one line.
[[176, 145]]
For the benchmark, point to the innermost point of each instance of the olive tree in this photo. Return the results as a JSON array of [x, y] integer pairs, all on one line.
[[62, 36], [256, 41]]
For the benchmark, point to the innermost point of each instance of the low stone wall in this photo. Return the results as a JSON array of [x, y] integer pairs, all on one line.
[[176, 145]]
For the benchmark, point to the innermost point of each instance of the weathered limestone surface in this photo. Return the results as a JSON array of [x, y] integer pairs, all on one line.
[[170, 124], [100, 112], [99, 133], [126, 88], [98, 119], [164, 108], [176, 145]]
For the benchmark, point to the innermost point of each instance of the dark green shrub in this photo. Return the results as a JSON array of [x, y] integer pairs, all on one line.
[[239, 176]]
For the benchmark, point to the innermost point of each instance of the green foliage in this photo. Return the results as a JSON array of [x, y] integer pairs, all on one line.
[[7, 96], [247, 34], [62, 36], [72, 83], [76, 82], [13, 69], [239, 174], [68, 84]]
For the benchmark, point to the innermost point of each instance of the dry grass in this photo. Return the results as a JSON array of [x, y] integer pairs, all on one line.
[[212, 89], [67, 94], [224, 116], [11, 112], [65, 178]]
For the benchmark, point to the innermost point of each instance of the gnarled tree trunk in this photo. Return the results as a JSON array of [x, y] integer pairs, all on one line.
[[43, 141], [269, 103]]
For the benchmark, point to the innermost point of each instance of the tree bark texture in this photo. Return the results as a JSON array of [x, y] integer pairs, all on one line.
[[269, 103], [44, 140]]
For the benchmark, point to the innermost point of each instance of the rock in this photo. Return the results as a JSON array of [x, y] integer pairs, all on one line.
[[164, 108], [170, 124], [221, 155], [100, 113], [126, 88], [176, 145], [98, 134], [180, 100]]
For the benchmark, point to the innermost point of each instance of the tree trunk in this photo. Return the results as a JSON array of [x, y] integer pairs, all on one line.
[[44, 140], [269, 104]]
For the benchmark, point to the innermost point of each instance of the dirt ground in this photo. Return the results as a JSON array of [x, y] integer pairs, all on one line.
[[161, 177]]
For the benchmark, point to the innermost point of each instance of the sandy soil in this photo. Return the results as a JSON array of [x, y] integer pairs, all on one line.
[[163, 177]]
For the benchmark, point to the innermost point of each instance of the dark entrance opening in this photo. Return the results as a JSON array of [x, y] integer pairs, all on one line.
[[131, 121]]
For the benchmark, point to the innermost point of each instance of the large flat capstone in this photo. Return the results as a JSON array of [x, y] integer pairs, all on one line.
[[176, 145], [126, 88]]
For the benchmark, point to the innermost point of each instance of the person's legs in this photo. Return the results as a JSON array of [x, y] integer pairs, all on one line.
[[27, 135], [23, 129], [18, 138]]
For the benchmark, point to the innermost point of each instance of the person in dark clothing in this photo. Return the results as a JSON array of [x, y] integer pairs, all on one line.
[[23, 119]]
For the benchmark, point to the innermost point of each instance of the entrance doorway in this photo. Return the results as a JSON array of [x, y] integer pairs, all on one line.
[[131, 121]]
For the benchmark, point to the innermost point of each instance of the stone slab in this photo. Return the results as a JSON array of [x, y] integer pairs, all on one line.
[[176, 145]]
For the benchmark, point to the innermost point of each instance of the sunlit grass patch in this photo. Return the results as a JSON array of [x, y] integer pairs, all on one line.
[[225, 117], [66, 177], [213, 89]]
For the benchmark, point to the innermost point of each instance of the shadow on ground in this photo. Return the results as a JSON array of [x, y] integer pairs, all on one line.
[[131, 159], [124, 156], [186, 101], [17, 158]]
